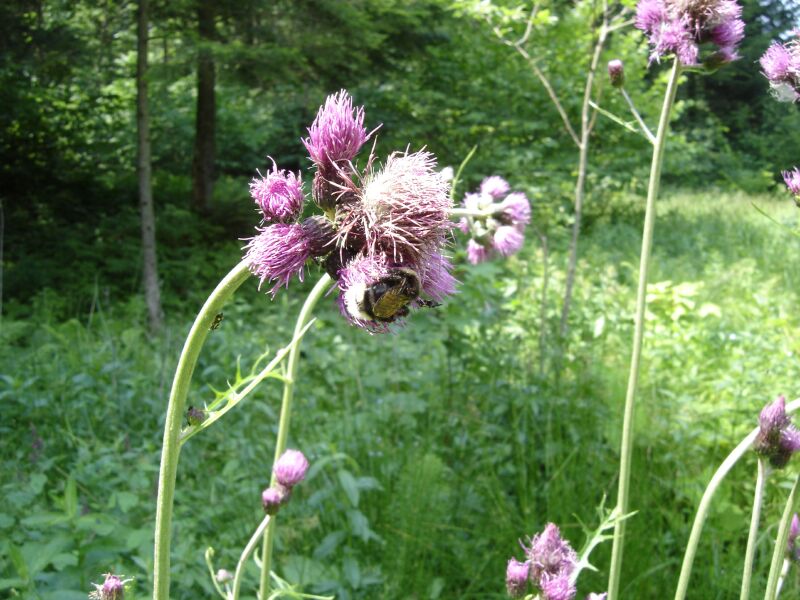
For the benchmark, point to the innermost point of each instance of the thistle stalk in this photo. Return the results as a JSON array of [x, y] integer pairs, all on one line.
[[779, 552], [747, 572], [285, 417], [737, 453], [171, 447], [641, 301]]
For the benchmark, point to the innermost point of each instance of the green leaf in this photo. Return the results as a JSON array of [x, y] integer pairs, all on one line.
[[350, 486], [70, 498]]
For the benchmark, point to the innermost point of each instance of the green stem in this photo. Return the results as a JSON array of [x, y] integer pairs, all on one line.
[[779, 552], [747, 572], [248, 550], [743, 448], [172, 427], [641, 300], [286, 413]]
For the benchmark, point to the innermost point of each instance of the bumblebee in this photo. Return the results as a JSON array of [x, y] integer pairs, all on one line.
[[388, 299]]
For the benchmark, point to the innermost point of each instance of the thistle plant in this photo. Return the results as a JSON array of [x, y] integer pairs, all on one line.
[[694, 34], [380, 241]]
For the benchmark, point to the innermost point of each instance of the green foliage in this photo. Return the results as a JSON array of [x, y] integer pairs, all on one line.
[[433, 450]]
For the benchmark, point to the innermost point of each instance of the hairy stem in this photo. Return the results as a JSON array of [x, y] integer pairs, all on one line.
[[747, 572], [743, 448], [286, 413], [779, 552], [626, 449], [172, 427]]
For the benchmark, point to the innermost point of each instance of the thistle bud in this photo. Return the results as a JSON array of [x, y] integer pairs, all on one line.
[[224, 576], [517, 578], [273, 498], [113, 588], [792, 181], [195, 416], [320, 235], [616, 73], [291, 468]]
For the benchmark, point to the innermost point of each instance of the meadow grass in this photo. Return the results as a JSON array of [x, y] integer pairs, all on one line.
[[433, 450]]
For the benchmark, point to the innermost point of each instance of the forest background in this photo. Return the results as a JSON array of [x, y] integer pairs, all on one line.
[[426, 472]]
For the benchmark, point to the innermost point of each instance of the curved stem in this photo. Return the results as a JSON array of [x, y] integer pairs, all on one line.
[[705, 502], [286, 413], [747, 572], [248, 550], [779, 552], [172, 427], [638, 335], [645, 129]]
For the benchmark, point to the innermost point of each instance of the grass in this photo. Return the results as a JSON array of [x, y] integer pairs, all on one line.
[[435, 449]]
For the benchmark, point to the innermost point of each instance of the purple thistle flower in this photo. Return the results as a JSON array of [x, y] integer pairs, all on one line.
[[776, 62], [557, 587], [517, 578], [476, 253], [401, 211], [792, 180], [517, 208], [781, 66], [679, 27], [279, 195], [291, 468], [273, 498], [777, 438], [463, 225], [277, 253], [495, 186], [616, 73], [337, 133], [508, 239], [113, 588], [550, 555], [435, 277]]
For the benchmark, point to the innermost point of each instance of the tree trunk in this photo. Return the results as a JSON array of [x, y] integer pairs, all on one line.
[[152, 293], [205, 123]]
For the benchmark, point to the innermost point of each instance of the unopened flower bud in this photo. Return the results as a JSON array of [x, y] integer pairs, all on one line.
[[320, 234], [195, 416], [291, 468], [517, 578], [273, 498], [224, 576], [616, 72]]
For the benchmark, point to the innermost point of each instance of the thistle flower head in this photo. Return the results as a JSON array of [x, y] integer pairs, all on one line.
[[338, 132], [516, 208], [113, 588], [279, 195], [557, 587], [550, 555], [517, 578], [495, 186], [679, 27], [273, 498], [400, 211], [616, 73], [277, 253], [792, 180], [508, 239], [781, 66], [476, 252], [360, 274], [436, 278], [777, 437], [291, 468]]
